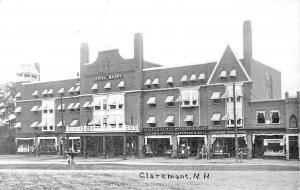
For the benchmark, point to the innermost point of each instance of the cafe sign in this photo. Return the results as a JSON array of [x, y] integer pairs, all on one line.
[[109, 77]]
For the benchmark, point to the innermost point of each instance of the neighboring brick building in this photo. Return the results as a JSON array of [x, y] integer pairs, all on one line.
[[133, 106]]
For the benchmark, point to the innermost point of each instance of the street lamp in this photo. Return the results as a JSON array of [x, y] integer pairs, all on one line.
[[232, 76], [61, 93]]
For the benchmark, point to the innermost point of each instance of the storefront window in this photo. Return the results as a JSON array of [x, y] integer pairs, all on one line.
[[25, 145], [274, 147], [47, 146]]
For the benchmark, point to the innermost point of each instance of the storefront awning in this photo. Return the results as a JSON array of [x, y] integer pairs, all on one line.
[[183, 78], [151, 120], [170, 119], [201, 76], [148, 82], [61, 91], [86, 104], [71, 106], [94, 87], [50, 92], [215, 96], [193, 77], [18, 110], [35, 93], [151, 100], [17, 125], [95, 121], [71, 90], [189, 118], [107, 85], [42, 124], [74, 123], [169, 99], [170, 80], [35, 108], [216, 117], [34, 124], [155, 81], [121, 84], [45, 92], [77, 105]]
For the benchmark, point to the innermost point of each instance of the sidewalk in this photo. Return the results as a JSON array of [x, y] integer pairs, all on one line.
[[54, 159]]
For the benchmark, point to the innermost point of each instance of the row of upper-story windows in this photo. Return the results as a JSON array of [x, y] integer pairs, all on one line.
[[108, 86], [170, 121], [170, 81], [48, 93], [274, 117]]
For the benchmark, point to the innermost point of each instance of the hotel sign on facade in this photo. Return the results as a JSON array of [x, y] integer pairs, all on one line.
[[109, 77]]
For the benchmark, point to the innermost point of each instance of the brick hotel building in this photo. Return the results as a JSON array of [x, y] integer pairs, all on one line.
[[133, 106]]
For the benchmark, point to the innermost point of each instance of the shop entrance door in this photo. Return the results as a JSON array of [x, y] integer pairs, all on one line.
[[293, 147]]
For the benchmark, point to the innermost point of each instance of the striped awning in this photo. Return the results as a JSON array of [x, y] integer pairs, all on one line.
[[201, 76], [155, 81], [17, 125], [61, 91], [148, 82], [71, 90], [35, 108], [151, 120], [193, 77], [18, 110], [71, 106], [59, 124], [121, 84], [50, 92], [179, 99], [34, 124], [42, 124], [45, 92], [189, 118], [223, 74], [169, 99], [74, 123], [170, 80], [151, 100], [77, 89], [170, 119], [35, 93], [107, 85], [43, 107], [59, 107], [184, 78], [232, 73], [216, 117], [18, 95], [94, 87], [86, 104], [215, 96], [95, 102], [95, 121], [77, 105]]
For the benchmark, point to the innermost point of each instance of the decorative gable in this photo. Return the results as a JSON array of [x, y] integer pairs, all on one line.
[[227, 63]]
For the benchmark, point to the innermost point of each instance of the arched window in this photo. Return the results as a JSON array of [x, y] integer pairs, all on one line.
[[293, 122]]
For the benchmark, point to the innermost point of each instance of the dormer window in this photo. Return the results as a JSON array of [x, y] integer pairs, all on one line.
[[155, 83], [193, 79], [121, 85], [35, 94], [94, 88], [61, 91], [170, 82], [184, 80], [201, 77], [223, 75], [71, 90], [148, 84], [151, 102], [107, 86], [45, 93]]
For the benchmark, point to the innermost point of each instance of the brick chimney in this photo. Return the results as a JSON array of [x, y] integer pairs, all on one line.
[[247, 45], [138, 51]]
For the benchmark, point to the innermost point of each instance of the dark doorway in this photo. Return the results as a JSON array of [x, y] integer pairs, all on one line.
[[293, 147]]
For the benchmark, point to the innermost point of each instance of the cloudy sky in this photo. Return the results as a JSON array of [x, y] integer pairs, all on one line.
[[176, 32]]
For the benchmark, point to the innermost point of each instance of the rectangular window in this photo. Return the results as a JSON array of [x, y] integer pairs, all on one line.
[[170, 104], [152, 105], [216, 101], [152, 124], [239, 99], [44, 111], [50, 111], [275, 118], [217, 123], [189, 123], [112, 106], [170, 85], [105, 104], [260, 116], [45, 128], [78, 110], [87, 109], [170, 124], [104, 121], [51, 128], [120, 106], [131, 120], [239, 122], [97, 107], [148, 87]]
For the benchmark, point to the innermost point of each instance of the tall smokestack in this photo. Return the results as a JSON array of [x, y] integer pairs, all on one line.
[[247, 45], [138, 51], [84, 53]]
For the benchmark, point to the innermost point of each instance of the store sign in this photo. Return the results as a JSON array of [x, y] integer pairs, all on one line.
[[102, 129], [228, 132], [267, 141], [175, 128], [109, 77], [178, 133]]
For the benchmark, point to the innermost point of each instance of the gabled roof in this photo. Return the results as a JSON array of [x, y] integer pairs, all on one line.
[[227, 63]]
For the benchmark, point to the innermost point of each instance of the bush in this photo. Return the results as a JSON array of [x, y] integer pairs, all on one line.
[[8, 146]]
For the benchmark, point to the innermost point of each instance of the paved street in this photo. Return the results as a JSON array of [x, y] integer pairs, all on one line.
[[53, 172]]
